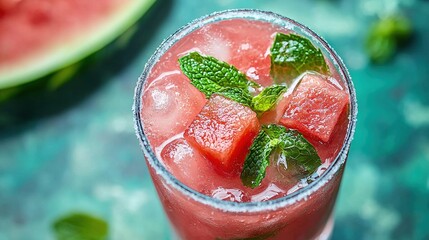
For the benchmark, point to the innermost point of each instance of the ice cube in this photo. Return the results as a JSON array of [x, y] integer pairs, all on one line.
[[209, 41], [229, 194], [188, 166], [284, 172], [271, 192], [169, 104], [217, 47]]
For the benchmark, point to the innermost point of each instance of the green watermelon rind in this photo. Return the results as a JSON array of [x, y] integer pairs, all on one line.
[[80, 47]]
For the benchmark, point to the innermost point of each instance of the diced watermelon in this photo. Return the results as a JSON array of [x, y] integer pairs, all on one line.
[[314, 107], [223, 132]]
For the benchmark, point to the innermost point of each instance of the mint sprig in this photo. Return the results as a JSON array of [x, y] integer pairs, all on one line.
[[265, 100], [80, 226], [293, 146], [292, 55], [210, 76]]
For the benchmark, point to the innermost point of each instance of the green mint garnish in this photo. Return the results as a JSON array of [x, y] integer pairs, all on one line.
[[385, 36], [257, 160], [292, 55], [210, 76], [237, 94], [80, 226], [292, 145], [204, 71], [265, 100], [295, 147]]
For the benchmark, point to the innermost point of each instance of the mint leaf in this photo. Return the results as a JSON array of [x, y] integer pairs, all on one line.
[[80, 226], [292, 55], [237, 94], [291, 143], [210, 76], [380, 48], [209, 70], [295, 147], [257, 160], [265, 100], [206, 86], [385, 36]]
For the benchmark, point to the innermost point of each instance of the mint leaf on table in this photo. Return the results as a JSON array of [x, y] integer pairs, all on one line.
[[209, 70], [265, 100], [292, 55], [80, 226], [291, 143], [385, 36]]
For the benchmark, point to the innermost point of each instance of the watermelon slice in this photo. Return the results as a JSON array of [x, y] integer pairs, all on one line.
[[223, 132], [315, 107], [39, 37]]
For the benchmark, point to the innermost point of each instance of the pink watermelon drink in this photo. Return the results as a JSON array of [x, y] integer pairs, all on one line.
[[245, 118]]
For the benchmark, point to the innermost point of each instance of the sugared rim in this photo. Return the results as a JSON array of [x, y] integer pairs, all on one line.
[[227, 206]]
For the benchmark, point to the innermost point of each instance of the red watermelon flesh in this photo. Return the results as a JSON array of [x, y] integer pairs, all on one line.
[[41, 37], [30, 27], [314, 107], [223, 132]]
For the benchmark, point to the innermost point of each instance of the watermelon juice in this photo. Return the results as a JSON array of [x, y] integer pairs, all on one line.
[[225, 164]]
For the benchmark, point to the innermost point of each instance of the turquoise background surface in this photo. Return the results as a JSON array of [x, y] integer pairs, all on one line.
[[73, 147]]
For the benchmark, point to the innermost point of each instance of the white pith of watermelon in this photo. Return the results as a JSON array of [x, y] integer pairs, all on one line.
[[64, 52]]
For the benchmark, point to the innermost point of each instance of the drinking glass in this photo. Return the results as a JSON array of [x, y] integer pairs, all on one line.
[[303, 214]]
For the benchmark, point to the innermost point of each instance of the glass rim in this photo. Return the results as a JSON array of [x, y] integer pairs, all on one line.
[[228, 206]]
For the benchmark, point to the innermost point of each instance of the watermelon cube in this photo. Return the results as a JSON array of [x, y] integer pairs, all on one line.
[[315, 107], [223, 132]]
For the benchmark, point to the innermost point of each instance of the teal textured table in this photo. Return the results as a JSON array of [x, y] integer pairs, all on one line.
[[74, 148]]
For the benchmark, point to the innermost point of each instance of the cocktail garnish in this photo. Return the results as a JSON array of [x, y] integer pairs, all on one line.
[[295, 148], [207, 70], [267, 98], [292, 55], [210, 75]]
